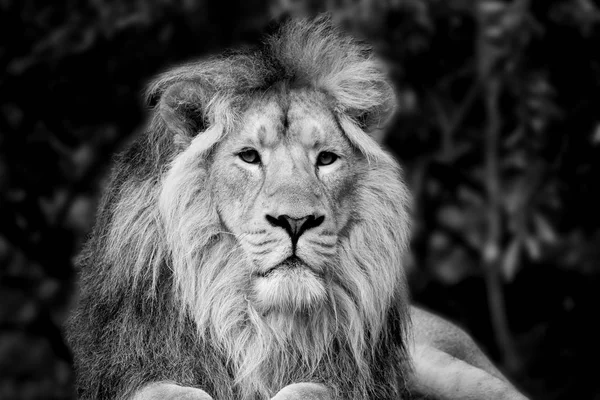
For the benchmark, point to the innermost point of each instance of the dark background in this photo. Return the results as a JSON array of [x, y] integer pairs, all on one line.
[[499, 132]]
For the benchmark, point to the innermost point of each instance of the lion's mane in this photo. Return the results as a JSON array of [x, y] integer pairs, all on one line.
[[163, 295]]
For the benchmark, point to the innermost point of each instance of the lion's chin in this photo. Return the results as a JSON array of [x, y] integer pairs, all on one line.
[[291, 287]]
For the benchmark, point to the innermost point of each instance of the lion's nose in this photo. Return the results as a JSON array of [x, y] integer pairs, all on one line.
[[295, 227]]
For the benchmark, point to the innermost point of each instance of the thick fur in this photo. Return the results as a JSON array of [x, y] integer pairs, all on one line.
[[165, 284]]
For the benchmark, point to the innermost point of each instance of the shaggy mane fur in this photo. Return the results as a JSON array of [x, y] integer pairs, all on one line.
[[162, 295]]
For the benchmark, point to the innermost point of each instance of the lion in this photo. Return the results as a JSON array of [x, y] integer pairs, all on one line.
[[250, 242]]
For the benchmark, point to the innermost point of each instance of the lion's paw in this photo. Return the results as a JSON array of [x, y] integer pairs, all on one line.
[[303, 391], [169, 391]]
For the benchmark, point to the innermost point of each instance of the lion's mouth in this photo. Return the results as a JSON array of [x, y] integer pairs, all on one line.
[[290, 263]]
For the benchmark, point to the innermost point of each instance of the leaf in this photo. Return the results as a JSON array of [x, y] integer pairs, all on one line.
[[510, 262], [544, 229], [533, 247], [596, 136], [452, 216]]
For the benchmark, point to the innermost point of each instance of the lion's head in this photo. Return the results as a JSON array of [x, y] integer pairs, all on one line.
[[280, 221]]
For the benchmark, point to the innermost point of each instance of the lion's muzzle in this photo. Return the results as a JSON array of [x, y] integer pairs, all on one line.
[[296, 280]]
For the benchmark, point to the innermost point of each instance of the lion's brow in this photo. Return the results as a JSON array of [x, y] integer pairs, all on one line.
[[261, 135]]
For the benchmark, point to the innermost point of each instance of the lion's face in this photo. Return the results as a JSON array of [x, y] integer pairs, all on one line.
[[283, 186]]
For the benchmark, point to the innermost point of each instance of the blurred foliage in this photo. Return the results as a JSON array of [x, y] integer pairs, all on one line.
[[498, 129]]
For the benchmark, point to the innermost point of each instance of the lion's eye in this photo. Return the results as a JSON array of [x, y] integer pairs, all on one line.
[[326, 158], [250, 156]]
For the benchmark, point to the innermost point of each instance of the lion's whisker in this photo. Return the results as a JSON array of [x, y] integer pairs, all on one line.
[[263, 243]]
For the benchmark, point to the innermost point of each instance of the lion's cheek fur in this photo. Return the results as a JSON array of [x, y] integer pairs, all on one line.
[[232, 188]]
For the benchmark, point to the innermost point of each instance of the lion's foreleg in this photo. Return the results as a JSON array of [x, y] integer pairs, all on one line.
[[169, 391], [438, 375]]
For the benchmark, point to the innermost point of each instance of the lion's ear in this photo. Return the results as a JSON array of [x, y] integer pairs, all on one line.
[[379, 111], [182, 107]]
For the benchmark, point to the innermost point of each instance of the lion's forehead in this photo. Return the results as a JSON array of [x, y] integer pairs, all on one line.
[[296, 117]]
